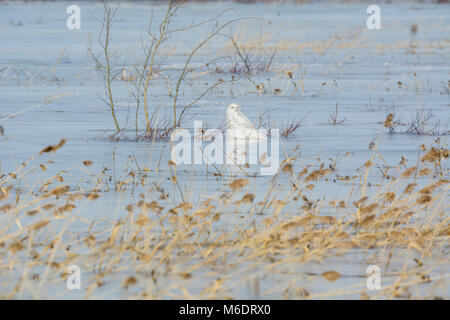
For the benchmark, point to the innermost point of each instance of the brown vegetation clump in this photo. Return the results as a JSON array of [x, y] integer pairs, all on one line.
[[53, 148]]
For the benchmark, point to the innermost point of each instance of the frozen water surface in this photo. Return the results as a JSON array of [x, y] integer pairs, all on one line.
[[52, 84]]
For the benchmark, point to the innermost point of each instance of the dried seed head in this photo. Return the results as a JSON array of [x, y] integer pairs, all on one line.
[[53, 148], [389, 121], [424, 199], [248, 198], [409, 188], [130, 281], [59, 191], [331, 275], [432, 155], [287, 168], [238, 184]]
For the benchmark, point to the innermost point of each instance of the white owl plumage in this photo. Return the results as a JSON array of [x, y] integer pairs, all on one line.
[[240, 126]]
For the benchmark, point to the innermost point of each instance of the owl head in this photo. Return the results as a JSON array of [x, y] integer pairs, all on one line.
[[234, 107]]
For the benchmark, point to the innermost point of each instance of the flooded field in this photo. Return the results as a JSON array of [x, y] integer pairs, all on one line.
[[358, 208]]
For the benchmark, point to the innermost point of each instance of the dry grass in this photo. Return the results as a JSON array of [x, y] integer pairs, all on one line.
[[161, 247], [418, 125]]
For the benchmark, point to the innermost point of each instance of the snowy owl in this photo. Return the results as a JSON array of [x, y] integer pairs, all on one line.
[[240, 126]]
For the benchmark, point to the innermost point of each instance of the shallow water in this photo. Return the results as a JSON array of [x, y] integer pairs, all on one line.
[[343, 63]]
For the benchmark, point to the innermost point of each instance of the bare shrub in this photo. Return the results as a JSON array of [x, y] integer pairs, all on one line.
[[248, 62], [334, 119], [286, 128], [145, 71], [418, 123]]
